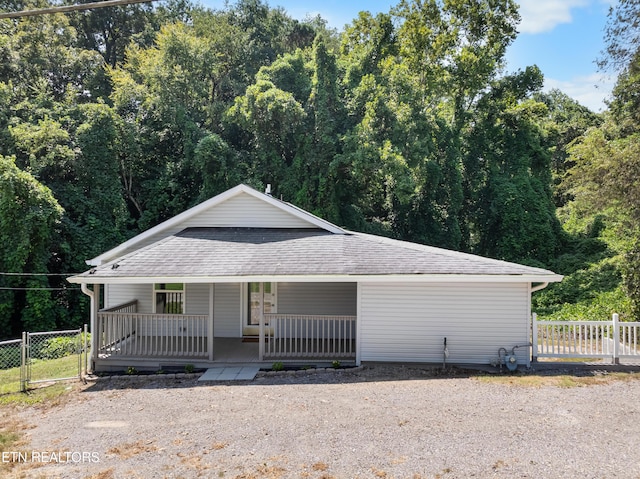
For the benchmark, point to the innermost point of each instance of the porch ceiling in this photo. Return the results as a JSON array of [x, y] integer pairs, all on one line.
[[268, 252]]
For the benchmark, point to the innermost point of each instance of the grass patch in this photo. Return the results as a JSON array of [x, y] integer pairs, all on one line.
[[561, 381], [50, 395], [40, 369], [11, 440]]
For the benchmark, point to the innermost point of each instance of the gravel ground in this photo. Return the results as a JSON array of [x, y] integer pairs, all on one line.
[[380, 422]]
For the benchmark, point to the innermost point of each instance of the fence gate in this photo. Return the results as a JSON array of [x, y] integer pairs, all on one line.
[[54, 356], [42, 357]]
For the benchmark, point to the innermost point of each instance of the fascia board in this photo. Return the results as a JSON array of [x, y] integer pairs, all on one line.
[[416, 278]]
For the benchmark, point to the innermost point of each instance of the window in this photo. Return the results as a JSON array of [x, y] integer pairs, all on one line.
[[169, 298], [262, 298]]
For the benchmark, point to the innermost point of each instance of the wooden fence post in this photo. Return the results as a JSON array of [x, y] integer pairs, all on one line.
[[616, 339]]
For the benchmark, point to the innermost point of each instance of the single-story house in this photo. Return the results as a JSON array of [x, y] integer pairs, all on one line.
[[248, 277]]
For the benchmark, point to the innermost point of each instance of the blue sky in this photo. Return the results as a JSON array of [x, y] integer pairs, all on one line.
[[562, 37]]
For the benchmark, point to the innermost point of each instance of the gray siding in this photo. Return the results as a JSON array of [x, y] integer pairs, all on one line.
[[227, 310], [116, 294], [317, 298], [197, 299], [407, 322]]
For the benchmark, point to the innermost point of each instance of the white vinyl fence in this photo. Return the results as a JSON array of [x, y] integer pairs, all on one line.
[[586, 339]]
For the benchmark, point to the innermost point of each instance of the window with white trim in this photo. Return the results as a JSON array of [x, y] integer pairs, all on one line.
[[168, 298]]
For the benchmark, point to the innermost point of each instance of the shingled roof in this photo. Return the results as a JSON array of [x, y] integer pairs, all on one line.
[[213, 254]]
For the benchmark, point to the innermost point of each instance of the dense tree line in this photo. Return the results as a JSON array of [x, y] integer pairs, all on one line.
[[406, 124]]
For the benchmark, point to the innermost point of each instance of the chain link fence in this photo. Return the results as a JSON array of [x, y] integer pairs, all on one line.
[[12, 372], [42, 357]]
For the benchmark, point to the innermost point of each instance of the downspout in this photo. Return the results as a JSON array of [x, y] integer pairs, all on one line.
[[92, 322], [534, 329]]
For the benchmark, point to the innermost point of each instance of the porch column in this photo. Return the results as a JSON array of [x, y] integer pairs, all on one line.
[[358, 321], [210, 324], [261, 339]]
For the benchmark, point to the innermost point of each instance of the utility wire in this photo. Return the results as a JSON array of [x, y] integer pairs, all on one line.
[[38, 274], [38, 289], [70, 8]]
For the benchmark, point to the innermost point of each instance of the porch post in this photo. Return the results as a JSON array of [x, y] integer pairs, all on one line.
[[261, 339], [210, 323], [358, 322]]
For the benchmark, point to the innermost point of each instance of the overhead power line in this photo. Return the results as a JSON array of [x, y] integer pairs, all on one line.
[[38, 274], [39, 289], [70, 8]]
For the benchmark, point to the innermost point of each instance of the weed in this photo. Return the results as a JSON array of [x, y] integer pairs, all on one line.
[[127, 450], [335, 364], [131, 371], [277, 366], [319, 466], [189, 368], [561, 381]]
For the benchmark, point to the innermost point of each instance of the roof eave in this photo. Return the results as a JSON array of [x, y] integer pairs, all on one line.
[[394, 278]]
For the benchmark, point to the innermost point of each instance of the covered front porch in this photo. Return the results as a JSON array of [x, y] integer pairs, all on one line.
[[123, 336]]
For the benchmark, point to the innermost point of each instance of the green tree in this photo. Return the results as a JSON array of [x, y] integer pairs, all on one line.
[[29, 215], [510, 206]]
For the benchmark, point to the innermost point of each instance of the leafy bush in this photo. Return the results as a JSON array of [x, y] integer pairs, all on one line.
[[61, 346]]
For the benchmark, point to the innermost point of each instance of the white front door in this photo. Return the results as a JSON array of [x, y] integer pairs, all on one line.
[[262, 300]]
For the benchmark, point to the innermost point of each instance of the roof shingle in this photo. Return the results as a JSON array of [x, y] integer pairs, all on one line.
[[235, 252]]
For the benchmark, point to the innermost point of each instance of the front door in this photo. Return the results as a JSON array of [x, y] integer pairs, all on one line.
[[262, 300]]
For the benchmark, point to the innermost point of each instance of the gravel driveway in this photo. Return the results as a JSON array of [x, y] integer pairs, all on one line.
[[380, 422]]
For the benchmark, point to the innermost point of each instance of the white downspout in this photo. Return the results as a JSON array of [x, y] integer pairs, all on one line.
[[534, 318], [92, 322]]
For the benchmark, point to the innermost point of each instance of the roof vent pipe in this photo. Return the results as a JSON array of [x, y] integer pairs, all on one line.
[[267, 190]]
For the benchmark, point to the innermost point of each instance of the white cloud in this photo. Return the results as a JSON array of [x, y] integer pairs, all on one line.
[[540, 16], [590, 91]]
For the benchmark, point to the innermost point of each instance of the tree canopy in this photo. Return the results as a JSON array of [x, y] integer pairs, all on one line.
[[405, 124]]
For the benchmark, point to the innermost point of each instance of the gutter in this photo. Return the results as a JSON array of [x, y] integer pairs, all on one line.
[[539, 287]]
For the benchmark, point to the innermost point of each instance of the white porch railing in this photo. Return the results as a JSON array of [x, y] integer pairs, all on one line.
[[152, 335], [586, 339], [310, 336]]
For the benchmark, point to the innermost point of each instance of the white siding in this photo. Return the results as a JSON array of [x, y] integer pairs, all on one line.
[[227, 310], [197, 298], [116, 294], [242, 210], [317, 298], [408, 322]]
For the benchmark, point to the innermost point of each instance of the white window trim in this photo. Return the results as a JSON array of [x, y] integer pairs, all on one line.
[[153, 297]]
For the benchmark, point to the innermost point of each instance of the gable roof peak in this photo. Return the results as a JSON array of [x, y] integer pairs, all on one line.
[[242, 188]]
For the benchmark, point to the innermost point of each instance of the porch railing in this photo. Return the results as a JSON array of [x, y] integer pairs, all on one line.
[[128, 307], [152, 335], [310, 336], [586, 339]]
